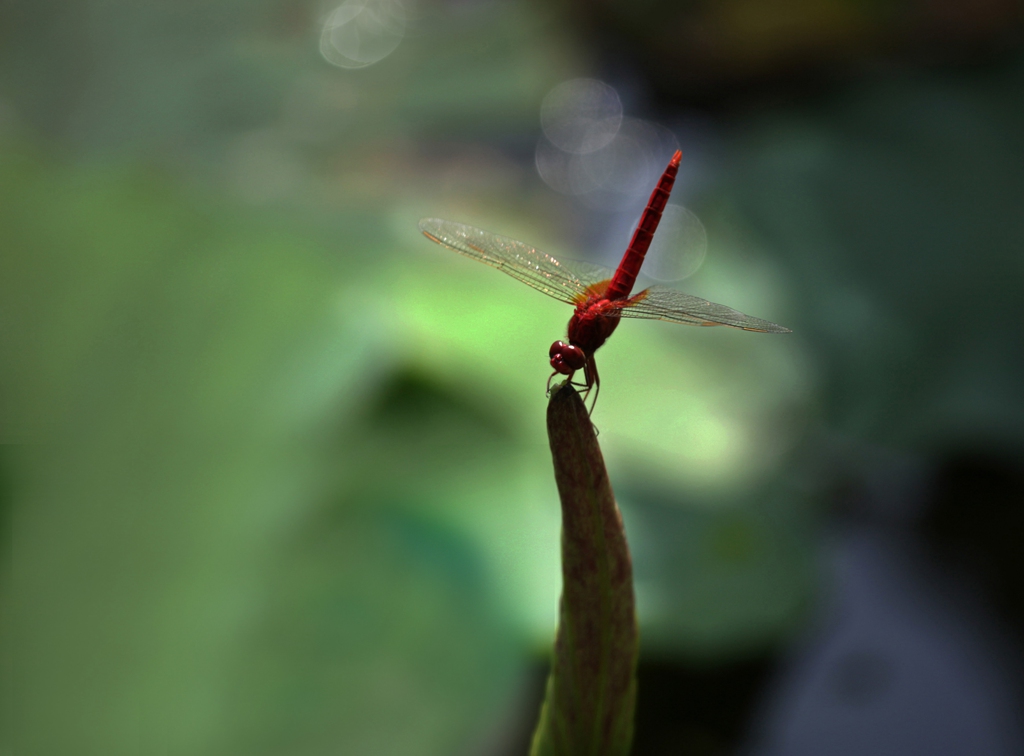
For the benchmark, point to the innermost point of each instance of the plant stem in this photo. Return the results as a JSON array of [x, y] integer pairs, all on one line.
[[591, 691]]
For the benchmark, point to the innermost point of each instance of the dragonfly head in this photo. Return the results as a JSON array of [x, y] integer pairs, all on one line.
[[566, 358]]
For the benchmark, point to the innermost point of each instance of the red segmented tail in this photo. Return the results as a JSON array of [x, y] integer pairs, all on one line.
[[626, 273]]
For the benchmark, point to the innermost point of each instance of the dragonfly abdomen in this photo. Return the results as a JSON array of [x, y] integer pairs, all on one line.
[[625, 275]]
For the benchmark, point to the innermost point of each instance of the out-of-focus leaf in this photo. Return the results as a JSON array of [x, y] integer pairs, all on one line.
[[193, 570], [897, 210]]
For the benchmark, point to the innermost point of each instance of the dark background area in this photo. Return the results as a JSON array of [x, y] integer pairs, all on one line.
[[274, 475]]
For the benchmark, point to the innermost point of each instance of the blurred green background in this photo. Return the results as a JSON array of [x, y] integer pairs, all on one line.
[[274, 476]]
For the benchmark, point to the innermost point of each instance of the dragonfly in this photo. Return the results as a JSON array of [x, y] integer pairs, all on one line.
[[601, 297]]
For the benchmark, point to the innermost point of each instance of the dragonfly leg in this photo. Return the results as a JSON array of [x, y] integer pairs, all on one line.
[[577, 384], [551, 378], [593, 382], [597, 390], [590, 378]]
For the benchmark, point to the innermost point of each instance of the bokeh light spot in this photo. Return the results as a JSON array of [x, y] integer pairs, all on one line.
[[613, 176], [679, 247], [581, 115], [359, 33]]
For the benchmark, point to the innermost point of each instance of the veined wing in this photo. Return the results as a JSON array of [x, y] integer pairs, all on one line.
[[521, 261], [658, 303]]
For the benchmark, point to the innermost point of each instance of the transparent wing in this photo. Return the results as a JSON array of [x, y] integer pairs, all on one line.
[[658, 303], [529, 265]]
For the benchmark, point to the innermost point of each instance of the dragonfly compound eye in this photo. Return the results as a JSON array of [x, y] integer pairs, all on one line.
[[566, 358]]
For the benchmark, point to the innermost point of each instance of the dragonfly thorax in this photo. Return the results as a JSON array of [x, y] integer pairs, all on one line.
[[592, 324]]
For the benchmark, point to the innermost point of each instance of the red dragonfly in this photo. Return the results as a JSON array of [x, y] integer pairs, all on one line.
[[601, 297]]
